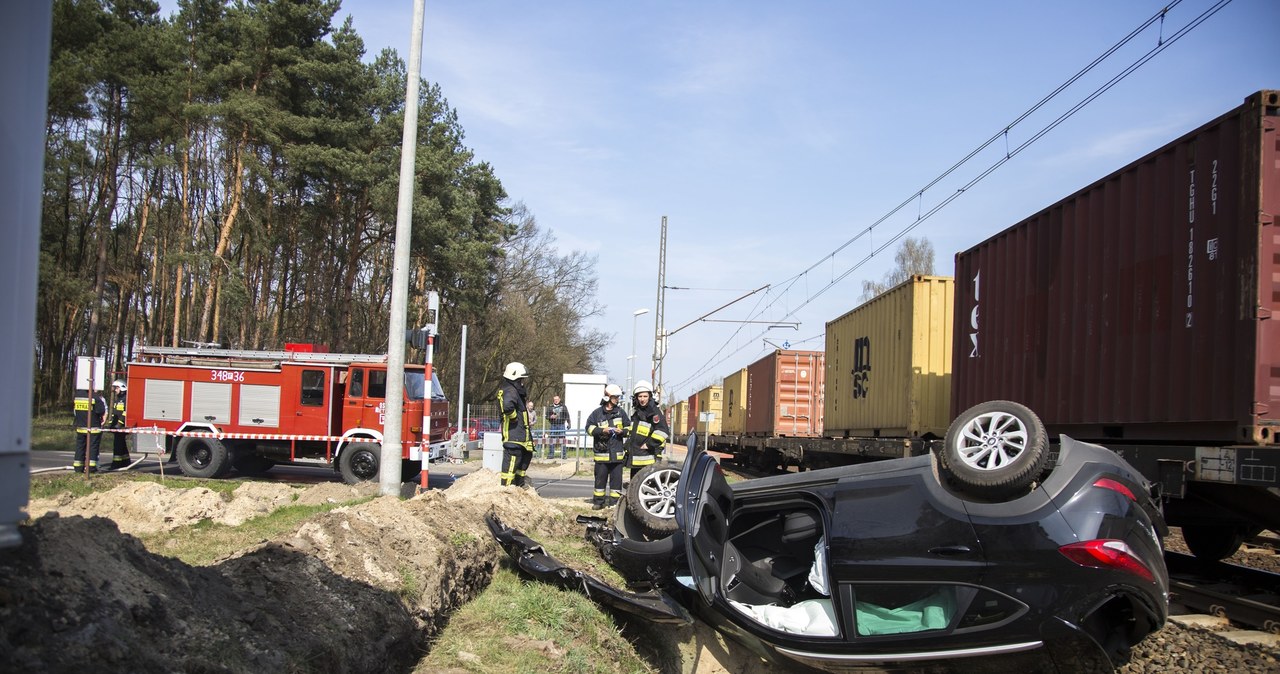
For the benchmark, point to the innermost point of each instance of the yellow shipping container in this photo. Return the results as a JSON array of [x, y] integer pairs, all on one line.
[[709, 400], [734, 421], [889, 363], [679, 421]]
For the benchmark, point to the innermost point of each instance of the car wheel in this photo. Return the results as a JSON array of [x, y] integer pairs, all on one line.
[[203, 457], [651, 499], [359, 462], [994, 450], [1211, 543]]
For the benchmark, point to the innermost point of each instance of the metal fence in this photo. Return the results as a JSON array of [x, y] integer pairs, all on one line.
[[548, 442]]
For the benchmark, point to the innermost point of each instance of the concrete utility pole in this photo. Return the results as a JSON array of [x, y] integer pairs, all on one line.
[[26, 32], [392, 424], [659, 322]]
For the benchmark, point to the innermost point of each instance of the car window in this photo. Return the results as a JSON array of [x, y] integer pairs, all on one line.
[[903, 608]]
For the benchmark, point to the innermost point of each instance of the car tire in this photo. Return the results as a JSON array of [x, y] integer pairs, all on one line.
[[203, 457], [359, 462], [994, 450], [1213, 542], [651, 499]]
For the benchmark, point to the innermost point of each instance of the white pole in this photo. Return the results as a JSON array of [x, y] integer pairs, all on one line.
[[462, 380], [392, 446], [631, 360]]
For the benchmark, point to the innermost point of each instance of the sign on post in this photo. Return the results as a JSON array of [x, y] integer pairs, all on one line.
[[90, 373]]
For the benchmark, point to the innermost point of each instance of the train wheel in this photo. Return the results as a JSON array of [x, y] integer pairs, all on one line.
[[203, 457], [651, 499], [994, 450], [359, 462], [1210, 543]]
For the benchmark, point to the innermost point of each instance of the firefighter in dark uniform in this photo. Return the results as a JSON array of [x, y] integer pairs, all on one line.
[[120, 445], [517, 433], [90, 413], [607, 425], [649, 429]]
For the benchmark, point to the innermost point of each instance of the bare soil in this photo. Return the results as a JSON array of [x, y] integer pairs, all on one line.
[[362, 588]]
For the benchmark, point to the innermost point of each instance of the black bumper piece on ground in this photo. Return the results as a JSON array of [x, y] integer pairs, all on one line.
[[530, 558]]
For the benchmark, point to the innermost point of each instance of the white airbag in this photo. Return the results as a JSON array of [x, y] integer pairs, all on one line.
[[813, 617]]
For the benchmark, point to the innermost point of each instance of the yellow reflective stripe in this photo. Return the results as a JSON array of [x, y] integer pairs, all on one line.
[[603, 457], [82, 405], [591, 429], [659, 435]]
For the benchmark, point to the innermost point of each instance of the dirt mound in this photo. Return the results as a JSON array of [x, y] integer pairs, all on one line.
[[359, 589]]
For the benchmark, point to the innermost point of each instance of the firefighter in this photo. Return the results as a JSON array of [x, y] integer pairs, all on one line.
[[90, 413], [649, 431], [608, 426], [120, 444], [517, 433]]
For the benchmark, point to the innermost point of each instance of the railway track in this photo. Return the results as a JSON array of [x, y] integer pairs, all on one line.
[[1247, 597]]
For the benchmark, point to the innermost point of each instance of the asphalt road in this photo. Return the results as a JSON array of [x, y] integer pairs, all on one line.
[[440, 475]]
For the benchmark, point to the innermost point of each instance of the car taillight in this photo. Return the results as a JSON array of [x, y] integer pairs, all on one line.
[[1108, 483], [1107, 554]]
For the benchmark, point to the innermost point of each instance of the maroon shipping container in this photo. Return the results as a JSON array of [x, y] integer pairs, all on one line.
[[691, 421], [784, 394], [1144, 306]]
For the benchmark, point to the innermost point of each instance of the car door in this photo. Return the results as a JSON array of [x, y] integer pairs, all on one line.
[[703, 504]]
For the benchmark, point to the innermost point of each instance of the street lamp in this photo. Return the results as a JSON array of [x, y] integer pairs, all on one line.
[[631, 360]]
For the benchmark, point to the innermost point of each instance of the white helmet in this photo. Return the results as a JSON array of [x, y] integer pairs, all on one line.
[[612, 390], [119, 385], [642, 386], [515, 371]]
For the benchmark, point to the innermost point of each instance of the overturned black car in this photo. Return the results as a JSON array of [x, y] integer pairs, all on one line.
[[986, 556]]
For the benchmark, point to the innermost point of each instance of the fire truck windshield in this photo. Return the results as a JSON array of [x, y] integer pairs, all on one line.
[[414, 389], [413, 386]]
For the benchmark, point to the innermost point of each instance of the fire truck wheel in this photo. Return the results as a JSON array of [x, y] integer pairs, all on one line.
[[203, 457], [359, 462]]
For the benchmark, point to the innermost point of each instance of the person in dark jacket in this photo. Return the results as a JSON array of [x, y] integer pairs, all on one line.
[[90, 414], [517, 430], [607, 425], [649, 430], [558, 422], [120, 442]]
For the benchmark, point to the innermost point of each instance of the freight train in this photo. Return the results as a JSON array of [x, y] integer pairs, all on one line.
[[1141, 312]]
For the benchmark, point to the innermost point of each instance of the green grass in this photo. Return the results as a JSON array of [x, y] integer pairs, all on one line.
[[54, 432], [526, 626]]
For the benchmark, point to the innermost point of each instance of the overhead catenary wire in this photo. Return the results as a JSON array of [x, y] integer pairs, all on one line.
[[786, 284]]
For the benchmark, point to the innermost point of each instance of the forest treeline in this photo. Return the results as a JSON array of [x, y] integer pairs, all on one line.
[[229, 175]]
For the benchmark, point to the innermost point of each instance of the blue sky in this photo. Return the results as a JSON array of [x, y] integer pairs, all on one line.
[[771, 133]]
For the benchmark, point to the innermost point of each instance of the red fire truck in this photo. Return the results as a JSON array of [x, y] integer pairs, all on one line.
[[219, 410]]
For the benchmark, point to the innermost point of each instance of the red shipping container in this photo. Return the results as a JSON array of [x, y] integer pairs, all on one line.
[[1145, 306], [784, 394]]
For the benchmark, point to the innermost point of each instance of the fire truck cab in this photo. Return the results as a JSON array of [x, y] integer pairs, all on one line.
[[220, 410]]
